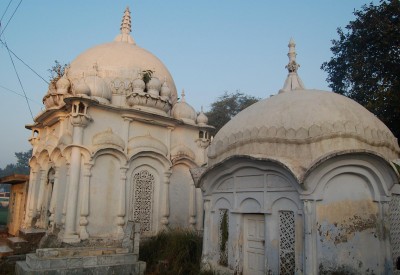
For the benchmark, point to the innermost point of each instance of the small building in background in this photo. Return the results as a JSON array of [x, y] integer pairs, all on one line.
[[17, 201]]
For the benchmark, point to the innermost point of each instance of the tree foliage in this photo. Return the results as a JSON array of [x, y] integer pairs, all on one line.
[[366, 61], [21, 167], [56, 72], [227, 106]]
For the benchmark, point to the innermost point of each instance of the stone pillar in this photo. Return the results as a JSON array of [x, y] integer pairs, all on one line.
[[200, 209], [310, 246], [64, 210], [54, 196], [127, 122], [39, 205], [121, 203], [42, 183], [83, 221], [192, 207], [30, 201], [79, 120], [206, 232], [168, 141], [165, 214]]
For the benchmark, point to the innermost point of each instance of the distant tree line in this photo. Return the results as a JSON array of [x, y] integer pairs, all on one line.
[[21, 167]]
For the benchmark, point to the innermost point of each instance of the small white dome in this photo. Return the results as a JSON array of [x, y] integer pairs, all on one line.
[[63, 85], [80, 87], [98, 87], [165, 90], [184, 111], [154, 86], [138, 85], [202, 119]]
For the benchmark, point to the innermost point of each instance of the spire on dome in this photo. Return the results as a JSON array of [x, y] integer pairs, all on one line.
[[125, 28], [183, 96], [293, 81], [126, 22]]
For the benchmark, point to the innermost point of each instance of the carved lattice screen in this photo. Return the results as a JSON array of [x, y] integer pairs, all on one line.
[[287, 242], [142, 203], [395, 227]]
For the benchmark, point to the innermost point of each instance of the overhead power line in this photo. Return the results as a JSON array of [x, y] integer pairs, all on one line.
[[23, 62], [21, 95], [1, 20], [20, 83], [10, 17]]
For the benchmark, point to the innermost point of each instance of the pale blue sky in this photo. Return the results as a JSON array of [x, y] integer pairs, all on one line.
[[208, 46]]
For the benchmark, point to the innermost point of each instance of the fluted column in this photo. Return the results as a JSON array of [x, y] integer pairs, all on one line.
[[54, 196], [121, 203], [165, 214], [83, 221], [79, 120], [64, 210]]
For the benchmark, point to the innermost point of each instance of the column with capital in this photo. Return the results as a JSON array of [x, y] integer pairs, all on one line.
[[30, 201], [79, 120], [165, 214], [121, 203], [83, 221], [54, 195], [39, 203]]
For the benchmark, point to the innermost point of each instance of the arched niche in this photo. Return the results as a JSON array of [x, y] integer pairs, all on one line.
[[104, 193], [156, 171], [350, 194], [244, 172]]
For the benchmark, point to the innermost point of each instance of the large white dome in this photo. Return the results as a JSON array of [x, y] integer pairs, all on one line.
[[120, 59]]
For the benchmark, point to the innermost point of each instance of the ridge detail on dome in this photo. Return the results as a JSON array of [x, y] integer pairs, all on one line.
[[293, 81], [315, 133]]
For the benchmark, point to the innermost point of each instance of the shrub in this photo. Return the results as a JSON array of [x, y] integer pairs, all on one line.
[[175, 252]]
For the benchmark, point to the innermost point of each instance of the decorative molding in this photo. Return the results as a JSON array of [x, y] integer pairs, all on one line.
[[314, 134], [106, 139]]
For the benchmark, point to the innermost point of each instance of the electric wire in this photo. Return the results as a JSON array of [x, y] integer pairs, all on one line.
[[20, 83], [11, 17], [21, 95], [1, 20], [29, 67]]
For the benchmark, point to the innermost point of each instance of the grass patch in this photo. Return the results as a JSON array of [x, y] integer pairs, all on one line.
[[3, 215], [173, 252]]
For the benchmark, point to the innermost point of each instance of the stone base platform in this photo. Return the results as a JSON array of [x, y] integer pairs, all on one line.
[[81, 261]]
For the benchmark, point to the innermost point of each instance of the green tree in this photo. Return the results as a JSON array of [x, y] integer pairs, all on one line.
[[366, 61], [56, 72], [227, 106], [21, 167]]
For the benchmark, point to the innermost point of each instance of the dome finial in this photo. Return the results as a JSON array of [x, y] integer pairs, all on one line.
[[293, 81], [125, 28], [183, 96], [292, 66], [126, 22]]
